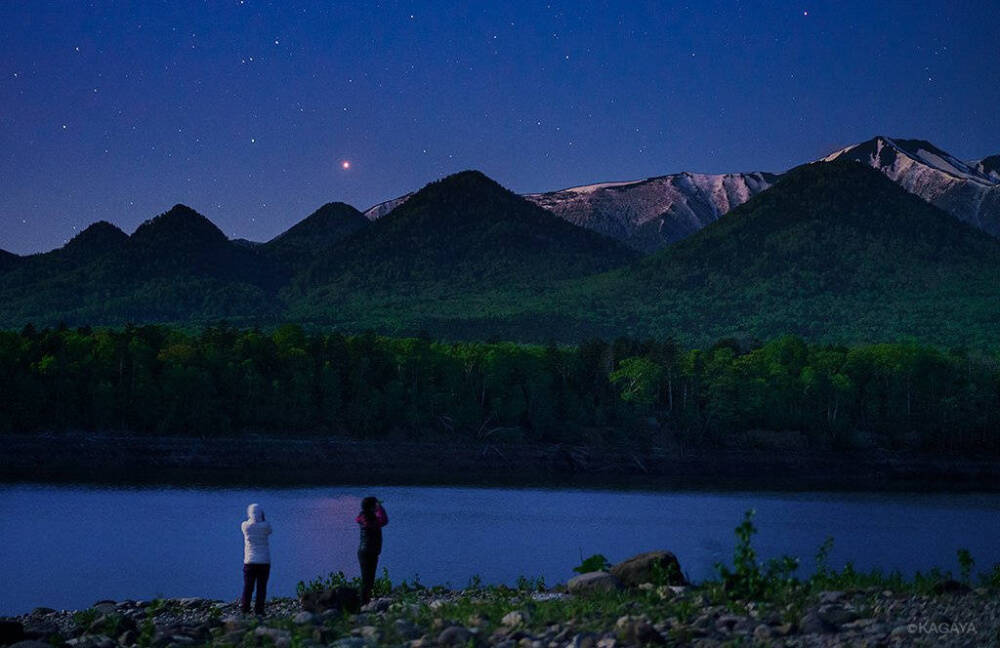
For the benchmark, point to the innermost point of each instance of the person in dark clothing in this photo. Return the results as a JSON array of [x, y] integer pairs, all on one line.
[[371, 519]]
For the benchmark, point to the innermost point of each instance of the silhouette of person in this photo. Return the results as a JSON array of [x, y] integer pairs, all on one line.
[[371, 519]]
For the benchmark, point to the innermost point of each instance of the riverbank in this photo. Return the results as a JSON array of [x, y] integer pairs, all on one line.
[[512, 618], [130, 459]]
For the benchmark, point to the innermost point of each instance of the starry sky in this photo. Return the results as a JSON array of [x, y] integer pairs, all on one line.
[[247, 110]]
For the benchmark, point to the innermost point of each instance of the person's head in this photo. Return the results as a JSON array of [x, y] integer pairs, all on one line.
[[255, 513], [369, 504]]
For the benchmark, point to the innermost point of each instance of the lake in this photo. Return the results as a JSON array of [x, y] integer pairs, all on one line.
[[69, 546]]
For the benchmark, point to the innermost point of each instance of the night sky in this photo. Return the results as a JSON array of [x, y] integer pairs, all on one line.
[[247, 110]]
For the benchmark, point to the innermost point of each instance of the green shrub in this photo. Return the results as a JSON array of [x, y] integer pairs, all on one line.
[[597, 562]]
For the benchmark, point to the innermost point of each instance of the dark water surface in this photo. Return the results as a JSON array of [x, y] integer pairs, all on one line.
[[69, 546]]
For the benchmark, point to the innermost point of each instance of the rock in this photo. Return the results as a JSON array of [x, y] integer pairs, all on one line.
[[811, 623], [304, 618], [639, 631], [105, 607], [784, 629], [836, 615], [128, 638], [598, 581], [234, 638], [44, 629], [762, 633], [660, 567], [377, 605], [348, 642], [11, 632], [727, 622], [454, 636], [30, 643], [830, 597], [584, 640], [192, 602], [280, 638], [234, 624], [406, 629], [370, 634], [515, 618], [42, 611], [344, 599]]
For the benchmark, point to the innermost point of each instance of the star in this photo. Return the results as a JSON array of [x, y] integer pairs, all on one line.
[[345, 165]]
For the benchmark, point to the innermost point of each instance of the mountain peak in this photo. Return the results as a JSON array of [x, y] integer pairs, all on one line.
[[179, 226], [316, 232], [96, 238], [460, 191]]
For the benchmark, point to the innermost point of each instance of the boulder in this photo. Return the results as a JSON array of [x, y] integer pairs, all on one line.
[[106, 606], [343, 599], [454, 636], [836, 614], [599, 581], [812, 623], [650, 567]]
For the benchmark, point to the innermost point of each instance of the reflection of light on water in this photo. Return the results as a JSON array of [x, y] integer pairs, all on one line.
[[342, 506]]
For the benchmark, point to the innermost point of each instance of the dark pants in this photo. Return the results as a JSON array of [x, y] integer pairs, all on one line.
[[255, 573], [369, 563]]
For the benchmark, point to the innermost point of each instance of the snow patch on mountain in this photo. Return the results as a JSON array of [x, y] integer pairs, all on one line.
[[968, 191], [376, 212], [649, 214]]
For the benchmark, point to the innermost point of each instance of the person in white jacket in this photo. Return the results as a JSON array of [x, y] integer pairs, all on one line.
[[256, 558]]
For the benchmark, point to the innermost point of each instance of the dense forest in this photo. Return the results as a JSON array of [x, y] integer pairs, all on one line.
[[228, 381]]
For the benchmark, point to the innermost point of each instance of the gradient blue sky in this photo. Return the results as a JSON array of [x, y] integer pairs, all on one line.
[[246, 110]]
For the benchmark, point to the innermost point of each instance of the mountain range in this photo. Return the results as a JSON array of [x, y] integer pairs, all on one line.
[[653, 213], [831, 250]]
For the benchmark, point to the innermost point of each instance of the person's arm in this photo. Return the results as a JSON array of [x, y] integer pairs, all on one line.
[[381, 516]]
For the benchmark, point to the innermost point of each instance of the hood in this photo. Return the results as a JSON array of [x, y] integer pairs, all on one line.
[[255, 513]]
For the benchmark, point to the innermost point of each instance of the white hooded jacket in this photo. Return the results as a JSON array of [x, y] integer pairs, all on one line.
[[255, 533]]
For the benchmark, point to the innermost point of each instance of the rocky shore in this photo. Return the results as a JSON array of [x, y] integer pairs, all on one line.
[[124, 458], [594, 610]]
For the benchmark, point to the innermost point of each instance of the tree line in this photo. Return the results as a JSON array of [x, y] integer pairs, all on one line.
[[223, 380]]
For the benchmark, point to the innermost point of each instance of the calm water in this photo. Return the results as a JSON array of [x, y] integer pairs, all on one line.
[[67, 547]]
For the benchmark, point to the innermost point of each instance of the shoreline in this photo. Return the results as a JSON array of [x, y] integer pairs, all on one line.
[[110, 459], [513, 618]]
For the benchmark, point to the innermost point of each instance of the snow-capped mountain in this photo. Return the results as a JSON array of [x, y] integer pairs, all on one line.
[[969, 191], [644, 214], [649, 214]]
